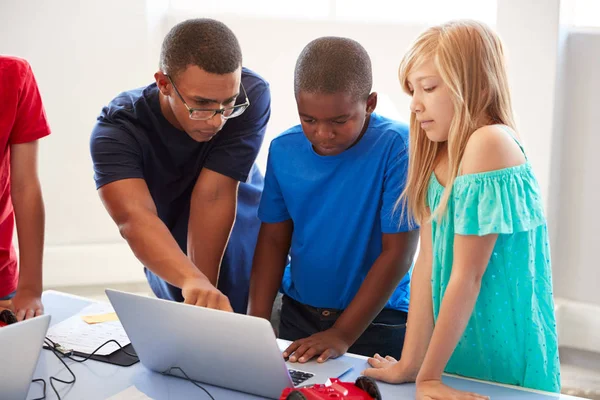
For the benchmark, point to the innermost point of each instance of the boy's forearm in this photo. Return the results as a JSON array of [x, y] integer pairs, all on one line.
[[265, 281], [270, 259], [30, 219], [375, 291]]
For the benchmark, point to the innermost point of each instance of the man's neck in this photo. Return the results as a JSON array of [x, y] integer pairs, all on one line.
[[167, 112]]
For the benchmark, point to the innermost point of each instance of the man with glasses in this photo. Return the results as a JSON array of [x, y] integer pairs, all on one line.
[[168, 160]]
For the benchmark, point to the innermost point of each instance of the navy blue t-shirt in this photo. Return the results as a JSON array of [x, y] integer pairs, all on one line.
[[132, 139]]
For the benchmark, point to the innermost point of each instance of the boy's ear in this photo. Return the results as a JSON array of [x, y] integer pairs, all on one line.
[[371, 102]]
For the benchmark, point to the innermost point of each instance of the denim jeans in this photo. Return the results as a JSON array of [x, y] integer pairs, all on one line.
[[385, 335], [10, 296]]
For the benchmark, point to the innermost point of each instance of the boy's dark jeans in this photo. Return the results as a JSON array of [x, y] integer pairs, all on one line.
[[385, 335]]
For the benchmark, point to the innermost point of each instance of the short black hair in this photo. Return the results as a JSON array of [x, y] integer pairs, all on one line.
[[334, 65], [203, 42]]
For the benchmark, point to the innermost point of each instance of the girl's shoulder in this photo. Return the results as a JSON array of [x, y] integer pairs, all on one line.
[[490, 148]]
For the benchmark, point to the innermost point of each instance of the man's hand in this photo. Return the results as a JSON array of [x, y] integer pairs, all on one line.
[[200, 292], [436, 390], [27, 304], [327, 344]]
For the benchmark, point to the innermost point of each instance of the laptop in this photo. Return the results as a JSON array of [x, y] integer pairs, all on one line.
[[233, 351], [20, 345]]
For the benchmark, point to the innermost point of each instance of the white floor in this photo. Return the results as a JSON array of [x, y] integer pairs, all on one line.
[[580, 371]]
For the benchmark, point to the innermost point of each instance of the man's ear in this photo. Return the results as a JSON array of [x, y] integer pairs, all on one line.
[[371, 102], [163, 83]]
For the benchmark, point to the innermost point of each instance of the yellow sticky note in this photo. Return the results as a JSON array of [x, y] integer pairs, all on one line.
[[99, 318]]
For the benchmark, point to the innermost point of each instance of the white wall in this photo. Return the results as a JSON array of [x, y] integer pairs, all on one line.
[[577, 271], [271, 47], [529, 31], [84, 53]]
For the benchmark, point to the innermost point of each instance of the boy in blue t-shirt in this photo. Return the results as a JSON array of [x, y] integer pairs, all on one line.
[[330, 189]]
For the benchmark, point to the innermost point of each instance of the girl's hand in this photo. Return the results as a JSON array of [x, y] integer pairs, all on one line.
[[436, 390], [389, 370]]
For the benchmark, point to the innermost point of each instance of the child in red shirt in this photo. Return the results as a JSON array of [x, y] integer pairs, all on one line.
[[22, 123]]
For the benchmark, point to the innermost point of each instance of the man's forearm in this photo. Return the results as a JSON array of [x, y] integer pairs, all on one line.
[[29, 216], [155, 247], [209, 228]]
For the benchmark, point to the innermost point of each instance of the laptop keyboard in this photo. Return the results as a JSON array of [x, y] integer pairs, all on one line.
[[299, 376]]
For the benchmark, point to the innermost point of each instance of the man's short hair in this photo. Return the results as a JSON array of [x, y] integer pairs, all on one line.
[[333, 65], [203, 42]]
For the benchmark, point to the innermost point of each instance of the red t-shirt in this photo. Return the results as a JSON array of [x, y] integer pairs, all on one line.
[[22, 120]]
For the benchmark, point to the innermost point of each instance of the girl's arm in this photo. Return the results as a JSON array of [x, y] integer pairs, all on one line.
[[419, 326], [489, 148], [471, 257]]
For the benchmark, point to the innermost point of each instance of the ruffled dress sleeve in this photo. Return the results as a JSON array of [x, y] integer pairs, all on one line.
[[497, 202]]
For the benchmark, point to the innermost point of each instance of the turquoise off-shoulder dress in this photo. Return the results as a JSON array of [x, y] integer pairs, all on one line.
[[511, 336]]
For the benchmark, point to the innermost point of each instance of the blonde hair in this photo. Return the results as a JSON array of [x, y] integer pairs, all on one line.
[[470, 60]]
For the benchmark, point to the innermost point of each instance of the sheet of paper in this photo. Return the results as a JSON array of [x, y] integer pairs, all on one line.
[[131, 393], [99, 318], [73, 333]]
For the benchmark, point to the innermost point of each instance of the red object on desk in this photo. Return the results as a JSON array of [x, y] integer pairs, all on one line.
[[363, 389], [7, 317]]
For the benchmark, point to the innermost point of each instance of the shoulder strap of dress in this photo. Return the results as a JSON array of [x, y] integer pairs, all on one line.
[[512, 135]]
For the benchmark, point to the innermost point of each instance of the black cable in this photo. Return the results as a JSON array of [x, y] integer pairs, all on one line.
[[51, 345], [54, 347], [43, 390], [85, 358], [52, 378], [167, 372]]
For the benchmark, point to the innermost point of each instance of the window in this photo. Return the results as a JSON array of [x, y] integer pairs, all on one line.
[[585, 13], [305, 9], [426, 12], [388, 11]]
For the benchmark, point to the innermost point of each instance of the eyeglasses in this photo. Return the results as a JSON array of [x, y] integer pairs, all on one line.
[[204, 114]]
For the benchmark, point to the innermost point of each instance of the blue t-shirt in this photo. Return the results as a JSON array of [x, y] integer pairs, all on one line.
[[132, 139], [340, 206]]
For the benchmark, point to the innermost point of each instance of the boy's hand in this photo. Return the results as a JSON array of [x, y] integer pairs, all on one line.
[[436, 390], [327, 344], [27, 304]]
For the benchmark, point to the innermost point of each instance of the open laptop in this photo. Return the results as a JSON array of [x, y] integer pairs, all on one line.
[[20, 346], [230, 350]]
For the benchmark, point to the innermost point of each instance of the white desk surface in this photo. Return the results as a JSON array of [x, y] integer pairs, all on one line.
[[97, 380]]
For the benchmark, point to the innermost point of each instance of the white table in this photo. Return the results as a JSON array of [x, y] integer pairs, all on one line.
[[97, 380]]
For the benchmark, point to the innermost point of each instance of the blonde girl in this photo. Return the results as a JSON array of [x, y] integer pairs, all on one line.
[[481, 299]]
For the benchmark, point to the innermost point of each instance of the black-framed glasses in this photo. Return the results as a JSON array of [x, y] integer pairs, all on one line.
[[204, 114]]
